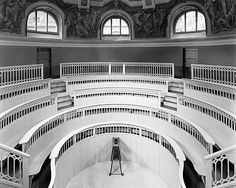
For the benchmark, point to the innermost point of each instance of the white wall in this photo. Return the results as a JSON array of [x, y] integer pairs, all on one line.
[[133, 148]]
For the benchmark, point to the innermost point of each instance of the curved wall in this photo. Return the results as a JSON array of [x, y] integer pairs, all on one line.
[[133, 148]]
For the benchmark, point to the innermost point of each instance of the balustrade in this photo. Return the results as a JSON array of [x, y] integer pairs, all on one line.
[[210, 110], [213, 73], [23, 73], [105, 68], [42, 128], [222, 171], [76, 136], [13, 167], [212, 89], [11, 115], [16, 94]]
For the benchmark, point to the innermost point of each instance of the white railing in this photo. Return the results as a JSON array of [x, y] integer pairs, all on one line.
[[90, 131], [106, 68], [48, 125], [16, 94], [13, 167], [120, 91], [9, 116], [22, 73], [222, 172], [211, 88], [226, 118], [214, 73]]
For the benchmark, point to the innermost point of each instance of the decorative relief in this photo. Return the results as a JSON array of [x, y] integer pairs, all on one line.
[[11, 15], [222, 14], [150, 24], [81, 23]]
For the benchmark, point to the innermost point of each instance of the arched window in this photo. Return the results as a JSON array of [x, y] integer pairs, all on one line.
[[191, 23], [116, 28], [41, 23]]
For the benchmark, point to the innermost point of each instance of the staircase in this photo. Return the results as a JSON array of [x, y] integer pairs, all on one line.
[[64, 101], [58, 86], [176, 87], [170, 102]]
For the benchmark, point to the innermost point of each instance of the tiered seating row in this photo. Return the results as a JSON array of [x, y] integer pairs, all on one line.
[[11, 115], [39, 130], [210, 110]]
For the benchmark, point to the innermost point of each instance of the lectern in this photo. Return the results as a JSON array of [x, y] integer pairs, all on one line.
[[115, 154]]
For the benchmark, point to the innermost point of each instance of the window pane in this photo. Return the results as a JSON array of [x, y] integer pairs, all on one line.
[[52, 25], [191, 21], [107, 28], [115, 26], [201, 24], [180, 25], [124, 30], [31, 24], [41, 21]]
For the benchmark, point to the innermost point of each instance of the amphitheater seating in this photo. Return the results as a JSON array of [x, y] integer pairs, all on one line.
[[197, 114]]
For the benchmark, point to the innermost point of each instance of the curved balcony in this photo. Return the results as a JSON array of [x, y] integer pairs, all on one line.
[[46, 134], [15, 122], [70, 151]]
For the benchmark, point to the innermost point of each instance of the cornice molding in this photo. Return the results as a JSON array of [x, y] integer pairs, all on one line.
[[210, 41]]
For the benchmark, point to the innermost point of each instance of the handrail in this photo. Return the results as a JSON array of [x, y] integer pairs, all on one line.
[[21, 73], [228, 92], [15, 171], [222, 167], [214, 73], [116, 79], [43, 127], [114, 68], [57, 150], [116, 91], [9, 116], [22, 88], [217, 113]]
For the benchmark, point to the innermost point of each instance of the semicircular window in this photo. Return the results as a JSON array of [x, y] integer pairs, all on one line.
[[116, 29], [190, 24], [42, 24]]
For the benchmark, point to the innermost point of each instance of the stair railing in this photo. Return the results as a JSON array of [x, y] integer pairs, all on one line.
[[13, 167], [222, 168]]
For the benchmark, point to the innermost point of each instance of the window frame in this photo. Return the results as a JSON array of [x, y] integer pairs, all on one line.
[[120, 35], [48, 12], [196, 24]]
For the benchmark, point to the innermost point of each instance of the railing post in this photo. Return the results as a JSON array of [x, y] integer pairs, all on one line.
[[208, 183], [109, 69], [123, 68], [25, 172]]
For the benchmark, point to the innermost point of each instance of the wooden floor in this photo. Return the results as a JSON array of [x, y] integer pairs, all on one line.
[[135, 176]]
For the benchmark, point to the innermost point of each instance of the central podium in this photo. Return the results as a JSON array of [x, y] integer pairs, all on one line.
[[115, 155]]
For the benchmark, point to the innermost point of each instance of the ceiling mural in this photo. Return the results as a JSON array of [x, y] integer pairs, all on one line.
[[149, 17]]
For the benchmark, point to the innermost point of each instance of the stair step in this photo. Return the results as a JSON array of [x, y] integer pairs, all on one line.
[[58, 83], [170, 103], [64, 98], [59, 91], [177, 92], [171, 99], [64, 107], [169, 107], [64, 103]]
